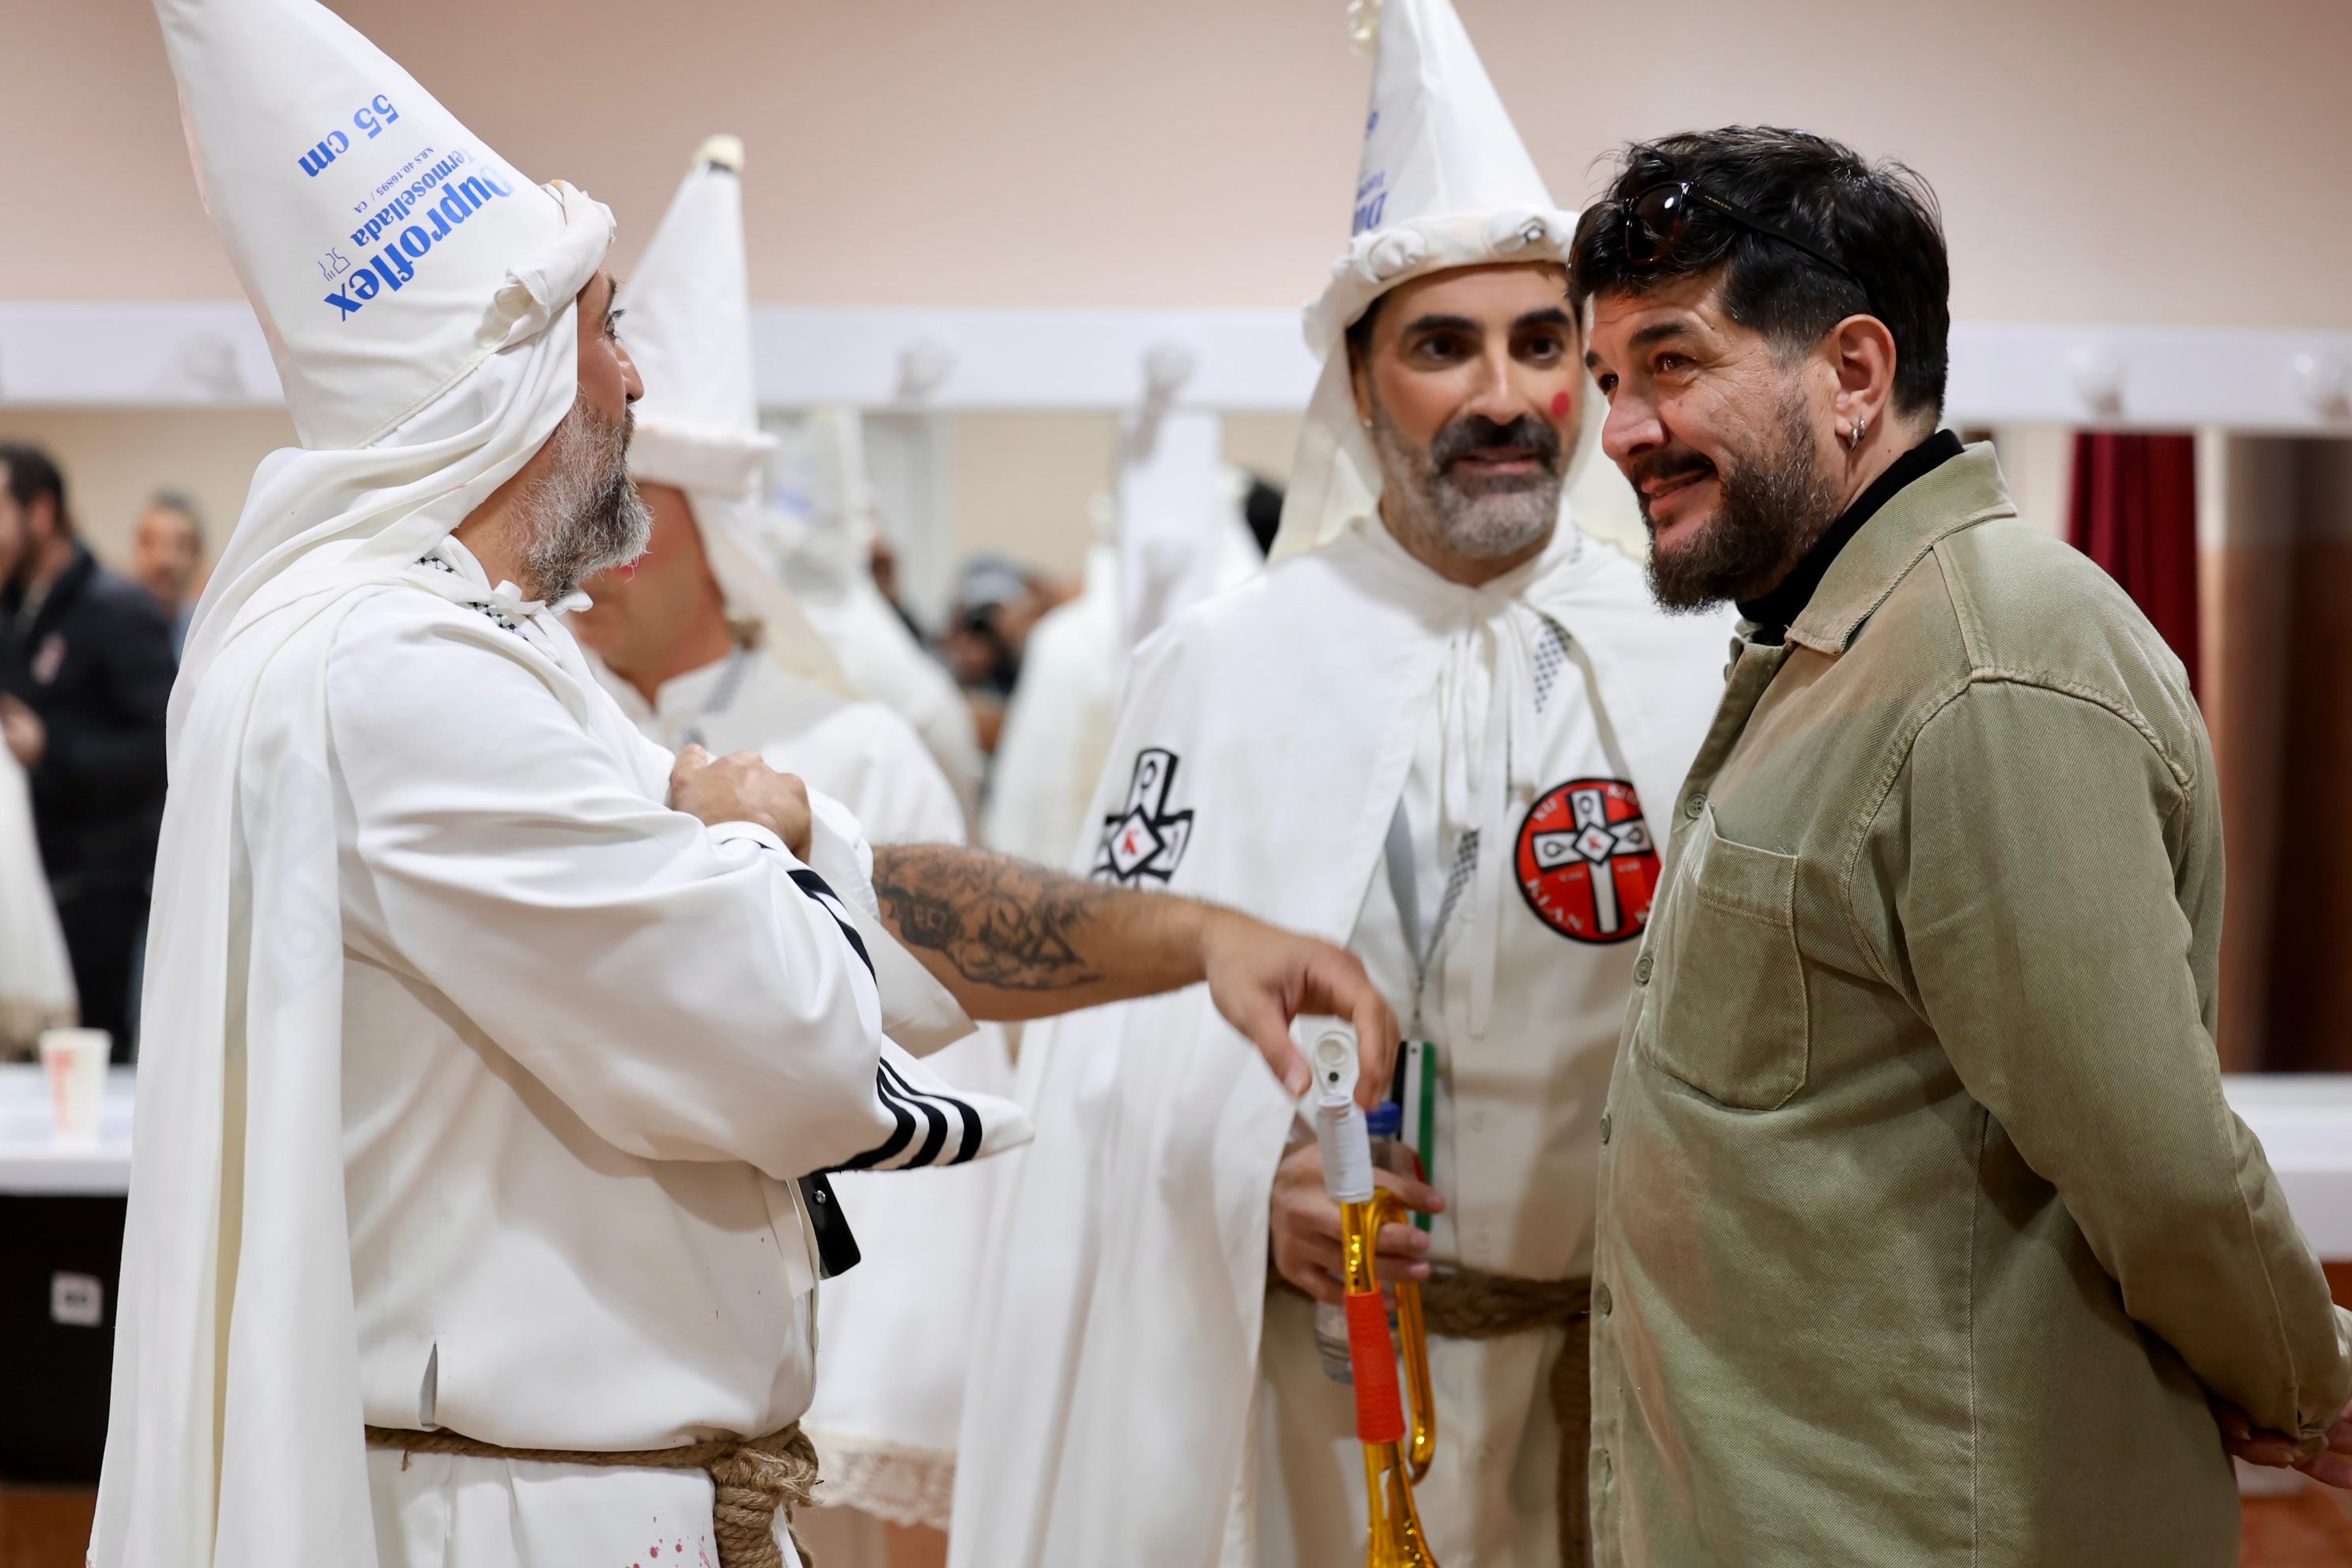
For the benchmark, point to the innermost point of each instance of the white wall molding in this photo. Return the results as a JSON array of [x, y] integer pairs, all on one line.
[[198, 354]]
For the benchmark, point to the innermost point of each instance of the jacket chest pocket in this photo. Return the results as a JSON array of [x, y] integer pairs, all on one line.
[[1728, 1015]]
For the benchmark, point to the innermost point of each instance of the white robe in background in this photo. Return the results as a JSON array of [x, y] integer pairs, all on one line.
[[37, 987], [1057, 726], [882, 661], [859, 752], [1135, 1398], [893, 1334]]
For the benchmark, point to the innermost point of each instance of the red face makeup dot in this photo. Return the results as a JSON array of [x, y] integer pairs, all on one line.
[[1561, 401]]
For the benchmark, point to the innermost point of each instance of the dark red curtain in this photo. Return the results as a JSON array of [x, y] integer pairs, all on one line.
[[2134, 513]]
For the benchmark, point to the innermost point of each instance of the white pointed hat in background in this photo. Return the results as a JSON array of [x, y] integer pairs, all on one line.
[[821, 538], [387, 249], [697, 424], [824, 537], [689, 331], [1446, 182]]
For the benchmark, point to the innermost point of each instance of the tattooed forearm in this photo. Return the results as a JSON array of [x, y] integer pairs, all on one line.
[[1000, 923]]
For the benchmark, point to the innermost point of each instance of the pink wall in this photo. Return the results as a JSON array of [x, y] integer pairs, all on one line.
[[1201, 151]]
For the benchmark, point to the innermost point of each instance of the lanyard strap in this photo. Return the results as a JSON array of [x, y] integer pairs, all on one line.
[[1402, 885], [723, 692]]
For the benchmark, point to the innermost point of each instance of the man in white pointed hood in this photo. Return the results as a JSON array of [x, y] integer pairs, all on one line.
[[701, 645], [495, 1057], [1442, 728]]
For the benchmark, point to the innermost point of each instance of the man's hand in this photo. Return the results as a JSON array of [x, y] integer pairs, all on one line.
[[1015, 941], [26, 737], [1261, 977], [740, 787], [1304, 1226], [2332, 1465]]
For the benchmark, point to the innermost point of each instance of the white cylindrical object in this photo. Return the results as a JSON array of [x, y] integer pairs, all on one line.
[[75, 1061], [1340, 1126]]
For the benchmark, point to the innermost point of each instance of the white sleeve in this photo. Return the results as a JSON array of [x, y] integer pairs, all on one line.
[[690, 993]]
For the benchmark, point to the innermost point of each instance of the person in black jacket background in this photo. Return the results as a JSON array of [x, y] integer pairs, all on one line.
[[86, 670]]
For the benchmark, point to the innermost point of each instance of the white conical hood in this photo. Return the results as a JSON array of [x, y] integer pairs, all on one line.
[[832, 503], [387, 249], [689, 331], [1446, 182], [697, 424]]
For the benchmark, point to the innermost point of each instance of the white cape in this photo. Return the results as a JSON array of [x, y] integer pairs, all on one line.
[[1057, 727], [36, 986], [1262, 745]]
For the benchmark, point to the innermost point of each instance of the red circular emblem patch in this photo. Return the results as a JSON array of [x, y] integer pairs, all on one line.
[[1585, 861]]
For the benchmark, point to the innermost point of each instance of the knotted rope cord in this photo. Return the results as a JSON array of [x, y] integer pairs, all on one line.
[[751, 1478], [1470, 1304]]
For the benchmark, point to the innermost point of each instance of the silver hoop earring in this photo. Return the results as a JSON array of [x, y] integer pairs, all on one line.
[[1854, 440]]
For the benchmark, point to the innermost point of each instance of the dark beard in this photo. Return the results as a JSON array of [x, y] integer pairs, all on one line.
[[1774, 507], [584, 516]]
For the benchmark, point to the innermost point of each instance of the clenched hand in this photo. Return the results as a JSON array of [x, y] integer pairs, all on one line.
[[1304, 1226], [740, 787], [2332, 1465]]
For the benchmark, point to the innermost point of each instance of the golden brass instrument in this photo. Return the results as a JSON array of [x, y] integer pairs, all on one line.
[[1396, 1454]]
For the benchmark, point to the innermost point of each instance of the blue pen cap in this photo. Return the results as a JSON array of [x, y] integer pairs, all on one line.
[[1385, 1120]]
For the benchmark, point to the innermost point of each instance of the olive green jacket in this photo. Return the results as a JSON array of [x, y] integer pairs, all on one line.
[[1923, 1227]]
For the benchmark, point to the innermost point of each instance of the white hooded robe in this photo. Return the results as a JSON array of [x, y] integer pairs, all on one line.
[[1119, 1410]]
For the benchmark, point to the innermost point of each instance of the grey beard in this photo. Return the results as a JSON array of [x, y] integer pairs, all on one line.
[[1492, 522], [583, 516], [1774, 507]]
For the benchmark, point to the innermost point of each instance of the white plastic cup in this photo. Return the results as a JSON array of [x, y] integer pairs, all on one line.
[[75, 1061]]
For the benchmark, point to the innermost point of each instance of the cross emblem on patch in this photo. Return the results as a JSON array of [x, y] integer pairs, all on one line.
[[1586, 862], [1145, 840]]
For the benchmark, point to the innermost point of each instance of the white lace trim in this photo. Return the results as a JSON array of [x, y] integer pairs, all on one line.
[[896, 1482]]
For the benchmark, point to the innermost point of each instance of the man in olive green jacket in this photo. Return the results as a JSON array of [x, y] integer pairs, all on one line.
[[1926, 1235]]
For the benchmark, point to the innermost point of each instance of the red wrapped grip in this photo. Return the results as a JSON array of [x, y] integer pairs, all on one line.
[[1371, 1357]]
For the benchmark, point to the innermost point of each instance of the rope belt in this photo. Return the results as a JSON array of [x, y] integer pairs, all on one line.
[[1467, 1304], [753, 1480]]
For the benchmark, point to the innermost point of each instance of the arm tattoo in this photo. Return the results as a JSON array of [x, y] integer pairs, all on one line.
[[1001, 922]]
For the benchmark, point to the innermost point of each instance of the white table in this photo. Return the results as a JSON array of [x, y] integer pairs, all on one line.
[[2305, 1121], [32, 1163]]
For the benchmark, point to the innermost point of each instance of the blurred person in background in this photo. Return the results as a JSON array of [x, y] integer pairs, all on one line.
[[882, 562], [86, 668], [998, 602], [168, 559]]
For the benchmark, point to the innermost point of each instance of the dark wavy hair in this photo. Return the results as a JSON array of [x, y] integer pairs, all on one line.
[[1881, 220]]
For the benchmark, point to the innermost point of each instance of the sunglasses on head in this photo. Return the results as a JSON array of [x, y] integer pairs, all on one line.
[[1656, 218]]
